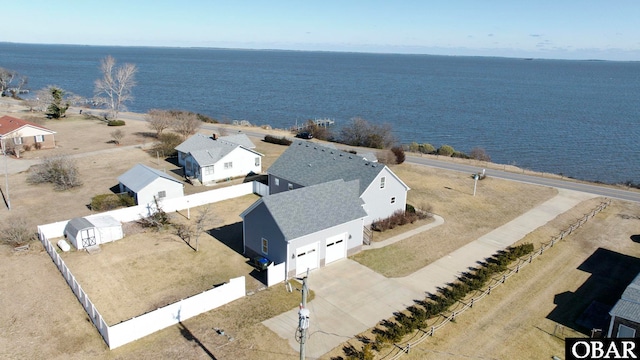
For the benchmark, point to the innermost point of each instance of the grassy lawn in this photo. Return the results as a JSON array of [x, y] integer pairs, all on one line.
[[467, 217]]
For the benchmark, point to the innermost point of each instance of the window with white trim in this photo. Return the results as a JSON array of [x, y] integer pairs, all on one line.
[[208, 170], [39, 138], [162, 194], [290, 186], [228, 165], [17, 140], [265, 246], [382, 181], [258, 161], [277, 181]]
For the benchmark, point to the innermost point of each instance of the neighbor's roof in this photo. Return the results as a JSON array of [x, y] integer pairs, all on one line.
[[240, 139], [308, 163], [138, 177], [207, 151], [628, 307], [203, 142], [314, 208], [9, 124]]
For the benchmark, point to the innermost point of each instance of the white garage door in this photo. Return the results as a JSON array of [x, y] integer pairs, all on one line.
[[306, 258], [336, 248]]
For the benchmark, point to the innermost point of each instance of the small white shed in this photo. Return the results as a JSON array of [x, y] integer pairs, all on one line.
[[85, 232]]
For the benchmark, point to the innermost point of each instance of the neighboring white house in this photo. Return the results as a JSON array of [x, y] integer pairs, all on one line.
[[146, 184], [306, 228], [16, 132], [210, 159], [307, 163], [94, 230]]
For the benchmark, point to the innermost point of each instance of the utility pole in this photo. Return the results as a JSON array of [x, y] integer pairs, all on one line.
[[303, 318], [6, 174]]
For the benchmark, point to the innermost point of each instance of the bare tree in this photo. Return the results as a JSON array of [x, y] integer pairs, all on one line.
[[359, 132], [6, 78], [115, 88], [193, 230], [117, 135], [479, 153], [41, 101], [185, 123], [159, 120]]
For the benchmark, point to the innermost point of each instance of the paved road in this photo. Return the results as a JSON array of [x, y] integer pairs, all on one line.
[[538, 180]]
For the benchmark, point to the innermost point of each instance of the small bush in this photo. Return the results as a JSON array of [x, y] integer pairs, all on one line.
[[167, 143], [398, 151], [277, 140], [17, 233], [61, 171], [445, 150], [427, 148], [116, 123], [106, 202]]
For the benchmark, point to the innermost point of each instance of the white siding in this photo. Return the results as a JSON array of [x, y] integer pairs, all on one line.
[[243, 162], [172, 189], [378, 200]]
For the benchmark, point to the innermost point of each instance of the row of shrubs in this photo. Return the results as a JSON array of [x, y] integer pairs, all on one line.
[[448, 150], [277, 140], [399, 218], [106, 202], [416, 316]]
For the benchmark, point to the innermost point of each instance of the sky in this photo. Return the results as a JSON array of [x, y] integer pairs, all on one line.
[[558, 29]]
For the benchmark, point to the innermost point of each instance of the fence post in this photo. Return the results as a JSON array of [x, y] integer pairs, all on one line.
[[432, 331], [471, 305], [504, 277], [553, 240], [489, 290], [530, 258], [518, 268]]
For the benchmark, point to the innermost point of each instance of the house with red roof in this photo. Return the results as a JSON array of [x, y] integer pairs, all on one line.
[[18, 133]]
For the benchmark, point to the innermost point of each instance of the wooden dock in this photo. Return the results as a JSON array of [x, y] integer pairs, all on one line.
[[324, 122]]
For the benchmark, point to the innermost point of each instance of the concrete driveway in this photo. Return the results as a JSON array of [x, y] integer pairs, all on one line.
[[351, 298]]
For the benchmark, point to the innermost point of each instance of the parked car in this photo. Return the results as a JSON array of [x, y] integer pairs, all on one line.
[[304, 135]]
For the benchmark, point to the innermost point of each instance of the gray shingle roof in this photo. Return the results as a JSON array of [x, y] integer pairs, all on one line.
[[307, 163], [212, 155], [240, 139], [205, 142], [311, 209], [628, 307], [141, 175]]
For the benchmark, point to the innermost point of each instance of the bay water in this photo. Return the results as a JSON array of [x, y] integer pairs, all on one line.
[[576, 118]]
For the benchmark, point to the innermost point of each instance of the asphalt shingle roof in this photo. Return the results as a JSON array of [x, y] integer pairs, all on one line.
[[311, 209], [205, 142], [628, 307], [307, 163], [139, 176], [9, 124]]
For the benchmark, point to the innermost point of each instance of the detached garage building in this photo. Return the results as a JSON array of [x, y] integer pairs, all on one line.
[[307, 228], [146, 184], [86, 232]]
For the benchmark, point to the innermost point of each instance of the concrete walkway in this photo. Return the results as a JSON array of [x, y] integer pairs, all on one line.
[[351, 298]]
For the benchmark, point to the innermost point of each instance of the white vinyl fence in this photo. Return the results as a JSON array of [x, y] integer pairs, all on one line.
[[143, 325]]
